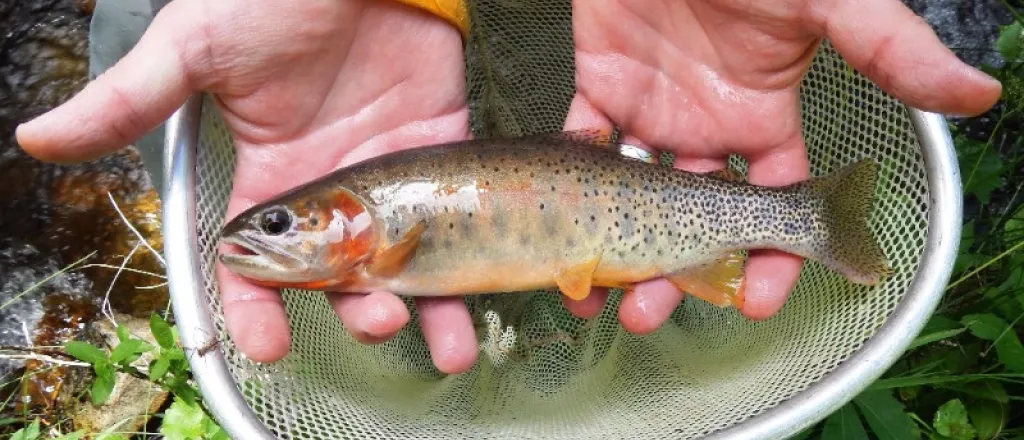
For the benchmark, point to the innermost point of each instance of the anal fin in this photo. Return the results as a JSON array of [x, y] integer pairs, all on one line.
[[575, 281], [391, 260], [720, 283]]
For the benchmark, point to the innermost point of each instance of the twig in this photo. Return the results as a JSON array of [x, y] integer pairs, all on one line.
[[43, 358], [136, 231], [126, 269], [105, 307], [41, 354], [24, 331]]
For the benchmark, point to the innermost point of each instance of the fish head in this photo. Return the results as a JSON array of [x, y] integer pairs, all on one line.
[[307, 241]]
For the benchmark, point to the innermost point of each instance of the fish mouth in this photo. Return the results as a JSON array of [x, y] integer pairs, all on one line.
[[257, 258]]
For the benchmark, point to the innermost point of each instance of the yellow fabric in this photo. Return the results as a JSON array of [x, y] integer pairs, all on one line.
[[454, 11]]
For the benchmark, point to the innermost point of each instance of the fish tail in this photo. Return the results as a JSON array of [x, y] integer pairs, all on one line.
[[847, 244]]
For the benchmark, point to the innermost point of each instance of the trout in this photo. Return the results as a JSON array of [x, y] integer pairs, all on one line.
[[564, 210]]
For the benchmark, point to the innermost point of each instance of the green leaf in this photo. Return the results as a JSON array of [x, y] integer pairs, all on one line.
[[844, 425], [992, 328], [981, 168], [934, 337], [104, 383], [1014, 227], [985, 325], [159, 368], [885, 415], [982, 389], [122, 333], [77, 435], [989, 418], [30, 432], [124, 353], [111, 436], [1010, 351], [1010, 41], [85, 352], [161, 331], [213, 430], [183, 421], [951, 421]]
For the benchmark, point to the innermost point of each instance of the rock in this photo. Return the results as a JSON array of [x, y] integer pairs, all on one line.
[[52, 215], [133, 400], [969, 28]]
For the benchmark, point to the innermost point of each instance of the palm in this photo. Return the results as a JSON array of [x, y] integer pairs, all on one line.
[[702, 79], [329, 96]]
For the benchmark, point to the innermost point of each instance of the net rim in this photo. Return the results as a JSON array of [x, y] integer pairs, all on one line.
[[809, 406]]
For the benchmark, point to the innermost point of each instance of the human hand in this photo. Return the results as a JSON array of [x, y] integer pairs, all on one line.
[[304, 87], [706, 78]]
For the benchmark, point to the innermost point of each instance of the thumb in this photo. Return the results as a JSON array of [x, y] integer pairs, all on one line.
[[888, 43], [121, 105]]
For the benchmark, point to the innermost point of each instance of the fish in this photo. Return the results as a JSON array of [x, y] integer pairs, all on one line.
[[567, 210]]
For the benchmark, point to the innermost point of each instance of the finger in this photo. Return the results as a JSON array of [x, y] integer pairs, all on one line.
[[254, 317], [370, 319], [588, 307], [131, 98], [449, 333], [648, 305], [898, 50], [770, 275]]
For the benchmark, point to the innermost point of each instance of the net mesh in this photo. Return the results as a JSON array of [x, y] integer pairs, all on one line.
[[543, 373]]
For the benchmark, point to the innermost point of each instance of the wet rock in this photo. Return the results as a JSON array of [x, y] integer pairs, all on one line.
[[969, 28], [23, 267], [52, 215]]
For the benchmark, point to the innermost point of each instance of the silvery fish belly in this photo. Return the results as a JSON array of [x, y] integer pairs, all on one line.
[[565, 210]]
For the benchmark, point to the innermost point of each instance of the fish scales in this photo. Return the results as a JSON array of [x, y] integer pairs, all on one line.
[[509, 215]]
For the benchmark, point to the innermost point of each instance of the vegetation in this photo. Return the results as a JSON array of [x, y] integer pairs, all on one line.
[[961, 379], [185, 419]]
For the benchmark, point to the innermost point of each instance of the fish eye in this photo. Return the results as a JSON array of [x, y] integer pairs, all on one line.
[[275, 221]]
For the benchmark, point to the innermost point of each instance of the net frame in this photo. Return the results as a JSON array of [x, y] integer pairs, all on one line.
[[217, 373]]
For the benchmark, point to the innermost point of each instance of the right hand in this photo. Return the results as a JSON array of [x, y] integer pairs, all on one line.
[[305, 87]]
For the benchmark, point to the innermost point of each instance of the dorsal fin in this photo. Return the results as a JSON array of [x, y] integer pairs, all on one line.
[[597, 137], [594, 137], [727, 174]]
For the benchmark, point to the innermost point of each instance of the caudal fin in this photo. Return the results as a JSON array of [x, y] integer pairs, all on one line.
[[849, 247]]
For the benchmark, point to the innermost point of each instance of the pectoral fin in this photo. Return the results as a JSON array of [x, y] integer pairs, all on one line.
[[719, 283], [391, 260], [575, 281]]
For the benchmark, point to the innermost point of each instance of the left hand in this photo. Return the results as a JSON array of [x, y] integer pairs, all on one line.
[[706, 78]]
